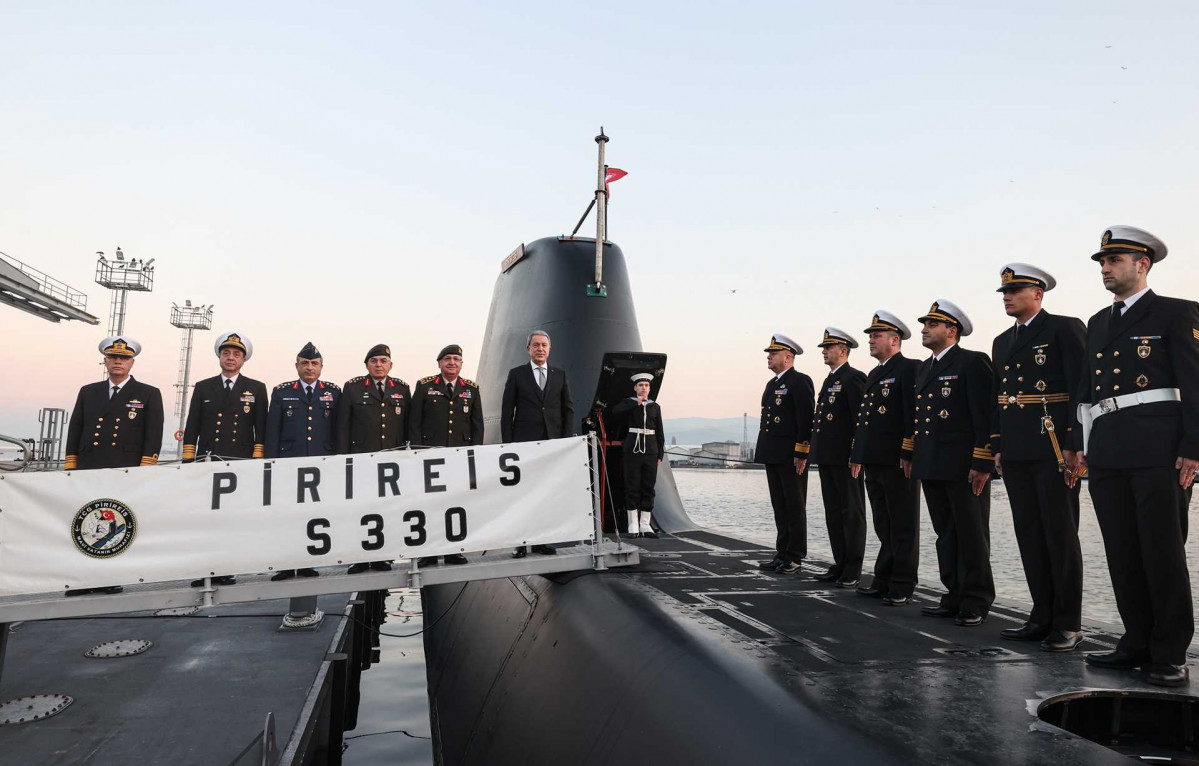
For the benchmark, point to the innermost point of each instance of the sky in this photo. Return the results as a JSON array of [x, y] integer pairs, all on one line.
[[354, 173]]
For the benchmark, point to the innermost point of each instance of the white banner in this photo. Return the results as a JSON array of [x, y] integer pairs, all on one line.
[[86, 529]]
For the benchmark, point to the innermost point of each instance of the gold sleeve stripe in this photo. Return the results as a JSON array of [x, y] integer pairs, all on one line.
[[802, 447], [70, 463], [149, 460], [983, 454], [909, 444], [258, 451], [1195, 333], [189, 451]]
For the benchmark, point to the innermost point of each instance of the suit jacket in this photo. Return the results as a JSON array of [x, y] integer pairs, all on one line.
[[835, 415], [1155, 344], [1036, 374], [121, 432], [648, 417], [785, 431], [368, 422], [885, 414], [443, 418], [951, 428], [527, 413], [226, 424], [296, 427]]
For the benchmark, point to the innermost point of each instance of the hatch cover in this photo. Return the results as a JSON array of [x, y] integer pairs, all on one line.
[[34, 707], [123, 648]]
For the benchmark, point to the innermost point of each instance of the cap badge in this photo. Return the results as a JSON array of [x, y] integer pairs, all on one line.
[[1107, 238], [1008, 275]]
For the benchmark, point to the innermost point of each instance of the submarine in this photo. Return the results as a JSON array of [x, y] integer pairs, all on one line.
[[697, 656]]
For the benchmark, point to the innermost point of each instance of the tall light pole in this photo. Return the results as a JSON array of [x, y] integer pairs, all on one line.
[[189, 318], [121, 276]]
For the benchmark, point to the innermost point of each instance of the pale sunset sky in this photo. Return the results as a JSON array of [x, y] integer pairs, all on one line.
[[353, 173]]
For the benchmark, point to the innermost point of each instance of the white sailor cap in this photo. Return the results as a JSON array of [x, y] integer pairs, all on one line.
[[780, 342], [946, 311], [120, 345], [834, 337], [1130, 239], [1017, 275], [885, 320], [642, 376], [234, 340]]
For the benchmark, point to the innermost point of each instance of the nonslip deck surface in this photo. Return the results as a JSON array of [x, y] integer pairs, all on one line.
[[924, 688], [198, 696]]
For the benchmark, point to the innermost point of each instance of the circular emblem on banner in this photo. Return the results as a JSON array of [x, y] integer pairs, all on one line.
[[103, 528]]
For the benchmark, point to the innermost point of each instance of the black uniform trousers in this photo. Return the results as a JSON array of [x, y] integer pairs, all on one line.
[[895, 506], [845, 518], [640, 476], [1142, 514], [1045, 515], [962, 523], [788, 496]]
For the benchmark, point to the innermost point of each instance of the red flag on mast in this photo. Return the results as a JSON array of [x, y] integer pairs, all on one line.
[[613, 174]]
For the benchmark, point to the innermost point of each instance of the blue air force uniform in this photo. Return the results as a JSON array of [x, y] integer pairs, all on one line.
[[302, 420]]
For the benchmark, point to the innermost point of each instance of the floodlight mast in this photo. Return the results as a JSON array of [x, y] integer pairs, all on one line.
[[189, 318]]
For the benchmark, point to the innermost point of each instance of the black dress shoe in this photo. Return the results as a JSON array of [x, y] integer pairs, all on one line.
[[520, 552], [283, 574], [1116, 660], [455, 558], [308, 572], [969, 619], [772, 564], [896, 599], [426, 561], [788, 568], [872, 592], [1030, 631], [848, 582], [938, 611], [381, 566], [1160, 674], [1062, 641], [548, 550], [827, 577], [358, 568]]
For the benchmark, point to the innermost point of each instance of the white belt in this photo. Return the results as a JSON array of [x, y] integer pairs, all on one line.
[[1124, 401], [646, 431]]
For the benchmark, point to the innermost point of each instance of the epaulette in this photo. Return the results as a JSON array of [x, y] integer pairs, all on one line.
[[285, 383], [470, 383], [425, 380], [358, 379], [331, 385], [399, 380]]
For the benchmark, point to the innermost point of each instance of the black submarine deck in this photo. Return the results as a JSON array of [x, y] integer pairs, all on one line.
[[921, 688]]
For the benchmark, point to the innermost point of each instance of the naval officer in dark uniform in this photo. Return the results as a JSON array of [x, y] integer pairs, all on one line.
[[951, 455], [641, 454], [883, 419], [837, 402], [536, 405], [302, 421], [1139, 410], [447, 411], [116, 423], [227, 416], [371, 417], [1038, 363], [784, 440]]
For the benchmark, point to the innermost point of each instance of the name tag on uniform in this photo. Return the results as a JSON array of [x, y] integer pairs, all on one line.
[[326, 397], [134, 403], [948, 377], [434, 392], [465, 394], [834, 388]]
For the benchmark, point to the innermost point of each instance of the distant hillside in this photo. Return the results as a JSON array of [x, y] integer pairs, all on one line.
[[695, 431]]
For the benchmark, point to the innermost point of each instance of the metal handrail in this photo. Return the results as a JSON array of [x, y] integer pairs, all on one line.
[[26, 452], [48, 285]]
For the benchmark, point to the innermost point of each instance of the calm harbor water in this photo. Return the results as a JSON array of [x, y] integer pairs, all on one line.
[[737, 502]]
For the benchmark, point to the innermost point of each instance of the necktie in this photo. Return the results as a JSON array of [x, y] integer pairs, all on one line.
[[1115, 316], [541, 378], [308, 393], [228, 385], [1019, 329], [113, 391], [379, 386]]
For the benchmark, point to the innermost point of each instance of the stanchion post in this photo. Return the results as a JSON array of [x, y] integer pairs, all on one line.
[[3, 648], [597, 509]]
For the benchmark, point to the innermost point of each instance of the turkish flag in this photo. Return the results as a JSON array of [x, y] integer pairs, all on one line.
[[613, 174]]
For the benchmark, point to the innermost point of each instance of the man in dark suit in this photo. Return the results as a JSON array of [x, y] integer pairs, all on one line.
[[447, 411], [116, 423], [883, 419], [1140, 414], [832, 434], [784, 441], [371, 418], [536, 405], [1038, 363], [951, 455], [302, 421], [227, 416]]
